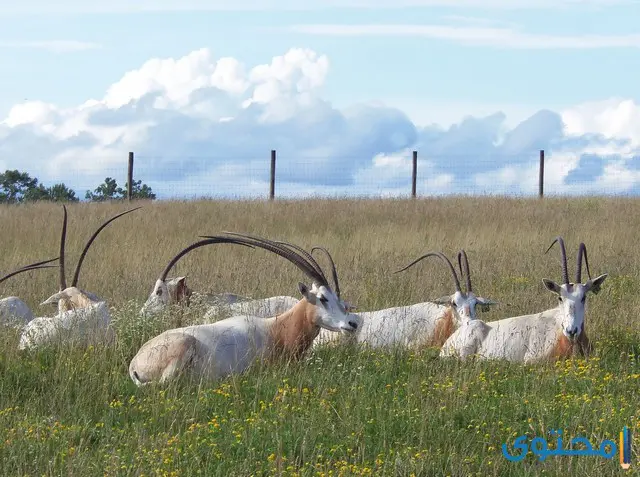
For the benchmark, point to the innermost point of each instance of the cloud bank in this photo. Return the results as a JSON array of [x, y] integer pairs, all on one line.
[[204, 126]]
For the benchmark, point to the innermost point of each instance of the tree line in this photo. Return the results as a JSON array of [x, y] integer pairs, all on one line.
[[19, 187]]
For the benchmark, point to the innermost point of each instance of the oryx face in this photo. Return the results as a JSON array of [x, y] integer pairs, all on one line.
[[166, 293], [331, 313], [572, 300]]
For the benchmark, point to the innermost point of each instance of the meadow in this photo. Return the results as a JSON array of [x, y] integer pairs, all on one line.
[[344, 411]]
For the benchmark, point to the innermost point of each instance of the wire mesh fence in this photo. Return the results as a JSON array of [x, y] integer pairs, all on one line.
[[273, 175]]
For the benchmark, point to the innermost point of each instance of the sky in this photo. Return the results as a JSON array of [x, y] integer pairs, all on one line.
[[343, 90]]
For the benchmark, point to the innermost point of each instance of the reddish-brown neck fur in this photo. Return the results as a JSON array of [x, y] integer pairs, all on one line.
[[565, 348], [294, 331], [444, 329]]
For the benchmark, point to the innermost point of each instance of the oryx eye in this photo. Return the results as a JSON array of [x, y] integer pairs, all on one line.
[[323, 300], [159, 291]]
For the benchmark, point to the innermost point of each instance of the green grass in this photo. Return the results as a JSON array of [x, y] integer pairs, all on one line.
[[344, 411]]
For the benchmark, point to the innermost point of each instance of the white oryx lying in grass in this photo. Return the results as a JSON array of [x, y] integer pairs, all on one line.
[[421, 324], [215, 350], [82, 316], [14, 311], [173, 291], [71, 298], [551, 334]]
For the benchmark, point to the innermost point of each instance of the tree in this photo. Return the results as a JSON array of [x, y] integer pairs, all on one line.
[[61, 193], [139, 191], [17, 187], [109, 190], [14, 185]]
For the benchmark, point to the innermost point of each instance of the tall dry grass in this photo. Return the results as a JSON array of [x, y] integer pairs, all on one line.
[[369, 239]]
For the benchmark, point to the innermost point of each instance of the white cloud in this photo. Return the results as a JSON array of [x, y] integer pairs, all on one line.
[[125, 6], [201, 125], [510, 38], [55, 46], [614, 117]]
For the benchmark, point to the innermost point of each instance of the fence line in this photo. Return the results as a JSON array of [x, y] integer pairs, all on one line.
[[272, 178]]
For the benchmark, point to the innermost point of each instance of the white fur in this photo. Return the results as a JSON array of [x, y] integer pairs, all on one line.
[[264, 307], [525, 338], [84, 325]]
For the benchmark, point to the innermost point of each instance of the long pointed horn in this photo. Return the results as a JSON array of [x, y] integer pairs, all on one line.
[[440, 255], [279, 249], [26, 268], [296, 248], [193, 246], [76, 275], [63, 240], [309, 258], [563, 252], [463, 263], [334, 273], [582, 250], [305, 254], [37, 264]]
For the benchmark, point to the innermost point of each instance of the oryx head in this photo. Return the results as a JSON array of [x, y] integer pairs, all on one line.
[[167, 292], [572, 296], [464, 304], [330, 311], [172, 291], [69, 298]]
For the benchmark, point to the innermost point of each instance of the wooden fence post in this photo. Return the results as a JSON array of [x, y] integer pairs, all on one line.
[[272, 184], [541, 176], [414, 174], [130, 177]]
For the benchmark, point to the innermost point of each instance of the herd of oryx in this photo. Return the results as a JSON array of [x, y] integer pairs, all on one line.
[[284, 326]]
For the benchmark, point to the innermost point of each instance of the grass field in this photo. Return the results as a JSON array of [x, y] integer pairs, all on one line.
[[344, 411]]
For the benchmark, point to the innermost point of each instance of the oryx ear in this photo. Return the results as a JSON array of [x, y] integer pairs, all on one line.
[[306, 293], [485, 303], [595, 284], [551, 285], [443, 300]]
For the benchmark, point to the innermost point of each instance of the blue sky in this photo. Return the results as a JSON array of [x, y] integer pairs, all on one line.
[[436, 61]]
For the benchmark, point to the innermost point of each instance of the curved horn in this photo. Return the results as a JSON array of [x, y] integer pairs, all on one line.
[[334, 273], [76, 275], [63, 240], [37, 264], [443, 258], [462, 257], [296, 248], [563, 252], [305, 254], [582, 250], [279, 249], [26, 268], [193, 246]]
